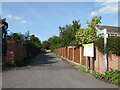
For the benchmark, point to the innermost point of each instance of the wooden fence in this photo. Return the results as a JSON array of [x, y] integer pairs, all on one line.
[[76, 54]]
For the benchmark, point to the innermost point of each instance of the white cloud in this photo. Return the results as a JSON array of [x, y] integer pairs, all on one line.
[[94, 13], [23, 21], [106, 1], [108, 7], [17, 18], [9, 16]]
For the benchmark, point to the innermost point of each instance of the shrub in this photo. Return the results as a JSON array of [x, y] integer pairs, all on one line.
[[113, 76], [100, 44], [99, 76], [112, 46]]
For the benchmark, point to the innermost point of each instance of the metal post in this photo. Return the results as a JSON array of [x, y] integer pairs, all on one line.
[[105, 54]]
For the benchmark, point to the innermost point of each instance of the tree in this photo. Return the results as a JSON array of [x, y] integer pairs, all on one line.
[[67, 33], [33, 46], [35, 41], [88, 35], [17, 37], [55, 42], [45, 45]]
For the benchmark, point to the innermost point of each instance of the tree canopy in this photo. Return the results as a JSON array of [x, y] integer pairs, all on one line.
[[73, 35], [45, 44], [68, 32], [55, 42], [88, 35]]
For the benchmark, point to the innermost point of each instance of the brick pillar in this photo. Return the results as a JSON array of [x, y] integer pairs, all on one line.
[[80, 55], [62, 52], [73, 54]]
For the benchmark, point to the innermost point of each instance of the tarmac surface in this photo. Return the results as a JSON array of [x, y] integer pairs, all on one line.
[[49, 71]]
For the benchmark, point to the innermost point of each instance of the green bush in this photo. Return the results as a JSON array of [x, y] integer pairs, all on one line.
[[99, 76], [100, 44], [112, 46], [113, 76]]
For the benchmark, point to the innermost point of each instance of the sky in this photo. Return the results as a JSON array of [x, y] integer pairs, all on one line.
[[44, 18]]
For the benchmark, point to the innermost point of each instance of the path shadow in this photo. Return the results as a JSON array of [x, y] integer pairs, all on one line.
[[44, 59]]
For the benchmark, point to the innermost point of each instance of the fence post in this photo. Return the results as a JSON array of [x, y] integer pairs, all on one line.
[[86, 63], [73, 53], [80, 55], [68, 53], [62, 52]]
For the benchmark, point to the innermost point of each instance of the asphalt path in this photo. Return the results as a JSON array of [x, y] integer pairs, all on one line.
[[49, 71]]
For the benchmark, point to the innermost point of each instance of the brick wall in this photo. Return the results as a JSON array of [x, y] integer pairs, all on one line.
[[99, 62], [113, 62], [10, 51], [15, 51]]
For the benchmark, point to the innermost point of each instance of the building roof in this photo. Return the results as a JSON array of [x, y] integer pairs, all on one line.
[[110, 29]]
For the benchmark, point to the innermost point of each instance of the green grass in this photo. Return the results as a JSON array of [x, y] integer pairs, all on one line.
[[110, 76], [78, 67]]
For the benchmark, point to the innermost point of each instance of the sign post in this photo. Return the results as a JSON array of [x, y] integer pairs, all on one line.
[[104, 34], [89, 52]]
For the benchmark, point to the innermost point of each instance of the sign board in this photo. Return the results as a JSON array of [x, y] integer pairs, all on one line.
[[89, 50], [100, 32]]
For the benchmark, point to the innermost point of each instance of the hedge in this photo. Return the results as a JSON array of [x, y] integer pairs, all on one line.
[[112, 46]]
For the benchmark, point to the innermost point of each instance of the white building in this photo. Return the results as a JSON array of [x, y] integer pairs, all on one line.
[[111, 30]]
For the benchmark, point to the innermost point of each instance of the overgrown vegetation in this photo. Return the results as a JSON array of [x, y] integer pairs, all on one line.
[[33, 46], [30, 42], [112, 46], [111, 76]]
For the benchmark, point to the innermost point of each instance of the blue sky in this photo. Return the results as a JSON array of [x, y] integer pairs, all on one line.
[[44, 19]]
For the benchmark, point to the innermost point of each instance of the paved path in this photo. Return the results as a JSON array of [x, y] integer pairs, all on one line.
[[48, 71]]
